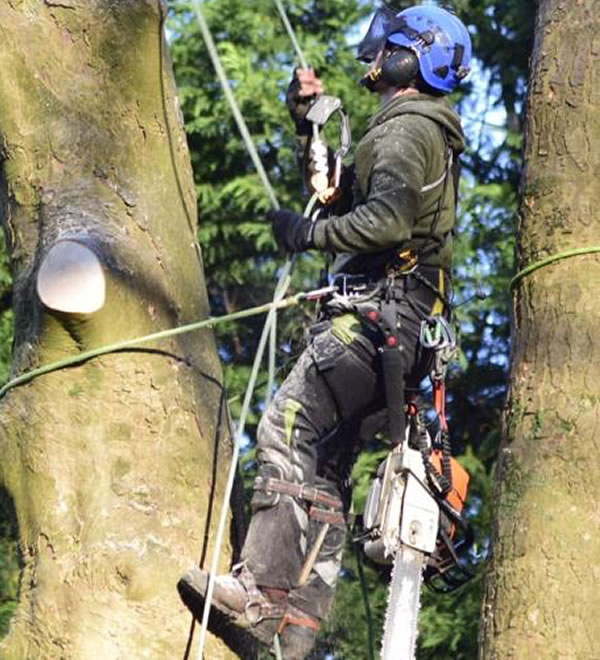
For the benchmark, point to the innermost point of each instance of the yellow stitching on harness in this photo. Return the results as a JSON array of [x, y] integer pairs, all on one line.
[[438, 305], [345, 328], [291, 409]]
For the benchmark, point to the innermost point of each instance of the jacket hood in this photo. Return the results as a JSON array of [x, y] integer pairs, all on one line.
[[436, 108]]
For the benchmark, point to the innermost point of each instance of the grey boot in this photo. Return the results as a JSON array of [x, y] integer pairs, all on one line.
[[241, 613], [236, 601]]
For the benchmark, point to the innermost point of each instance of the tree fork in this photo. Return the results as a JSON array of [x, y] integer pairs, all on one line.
[[541, 591], [114, 466]]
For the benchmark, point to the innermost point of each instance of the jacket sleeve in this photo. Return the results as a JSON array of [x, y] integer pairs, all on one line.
[[397, 169]]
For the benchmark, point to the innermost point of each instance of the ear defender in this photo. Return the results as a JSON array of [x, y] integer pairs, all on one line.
[[400, 68]]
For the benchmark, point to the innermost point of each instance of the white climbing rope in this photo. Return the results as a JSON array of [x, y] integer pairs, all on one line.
[[269, 329]]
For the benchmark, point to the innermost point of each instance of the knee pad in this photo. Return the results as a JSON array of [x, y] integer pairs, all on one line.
[[351, 379], [334, 541]]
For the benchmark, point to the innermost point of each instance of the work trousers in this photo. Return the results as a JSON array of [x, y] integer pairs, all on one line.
[[309, 434]]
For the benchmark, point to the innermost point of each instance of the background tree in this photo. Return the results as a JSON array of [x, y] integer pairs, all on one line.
[[541, 596], [107, 467]]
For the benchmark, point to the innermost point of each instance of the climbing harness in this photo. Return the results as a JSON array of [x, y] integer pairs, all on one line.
[[414, 508]]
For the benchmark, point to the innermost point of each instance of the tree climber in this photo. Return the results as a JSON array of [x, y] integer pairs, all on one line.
[[391, 232]]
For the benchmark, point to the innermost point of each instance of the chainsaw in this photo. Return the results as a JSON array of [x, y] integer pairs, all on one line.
[[412, 515]]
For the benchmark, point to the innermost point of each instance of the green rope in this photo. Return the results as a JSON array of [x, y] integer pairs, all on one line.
[[550, 260], [270, 307], [291, 34]]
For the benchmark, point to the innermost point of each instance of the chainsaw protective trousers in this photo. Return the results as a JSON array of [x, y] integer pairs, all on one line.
[[335, 385]]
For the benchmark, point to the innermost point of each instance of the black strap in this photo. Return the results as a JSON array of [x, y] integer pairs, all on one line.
[[459, 51], [392, 363], [386, 319]]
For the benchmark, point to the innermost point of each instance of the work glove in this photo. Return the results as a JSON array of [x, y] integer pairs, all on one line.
[[292, 232], [301, 91]]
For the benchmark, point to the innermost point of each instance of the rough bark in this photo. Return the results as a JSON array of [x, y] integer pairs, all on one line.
[[112, 465], [542, 590]]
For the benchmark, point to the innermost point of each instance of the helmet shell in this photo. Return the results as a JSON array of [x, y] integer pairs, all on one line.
[[440, 41]]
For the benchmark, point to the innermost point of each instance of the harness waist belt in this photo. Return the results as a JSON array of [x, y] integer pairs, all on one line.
[[349, 284]]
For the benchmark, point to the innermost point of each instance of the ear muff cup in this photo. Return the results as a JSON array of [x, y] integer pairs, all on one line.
[[400, 68]]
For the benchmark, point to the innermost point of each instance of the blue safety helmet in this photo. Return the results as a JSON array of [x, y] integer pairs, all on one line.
[[438, 38]]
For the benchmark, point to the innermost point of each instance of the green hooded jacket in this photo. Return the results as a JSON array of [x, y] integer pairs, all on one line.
[[403, 191]]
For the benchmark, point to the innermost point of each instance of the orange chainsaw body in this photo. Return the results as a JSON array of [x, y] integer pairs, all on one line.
[[460, 480]]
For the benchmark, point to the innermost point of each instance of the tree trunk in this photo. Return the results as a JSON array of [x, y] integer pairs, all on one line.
[[542, 589], [112, 464]]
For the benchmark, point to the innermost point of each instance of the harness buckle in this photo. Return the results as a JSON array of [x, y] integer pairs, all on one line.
[[407, 262], [437, 336], [410, 260], [349, 285], [307, 492]]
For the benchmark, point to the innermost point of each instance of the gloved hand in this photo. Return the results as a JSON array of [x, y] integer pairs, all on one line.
[[292, 232], [302, 89]]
